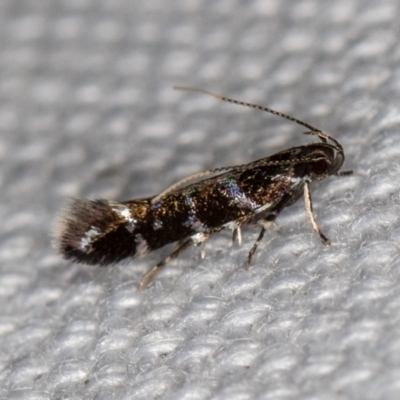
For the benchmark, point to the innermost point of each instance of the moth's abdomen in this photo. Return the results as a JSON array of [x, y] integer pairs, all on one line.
[[100, 232]]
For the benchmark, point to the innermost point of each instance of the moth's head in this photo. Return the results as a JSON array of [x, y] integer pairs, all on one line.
[[323, 160]]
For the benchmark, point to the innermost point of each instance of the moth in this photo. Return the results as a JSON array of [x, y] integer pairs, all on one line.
[[104, 232]]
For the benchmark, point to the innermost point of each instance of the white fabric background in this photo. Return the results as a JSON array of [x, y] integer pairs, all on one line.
[[87, 110]]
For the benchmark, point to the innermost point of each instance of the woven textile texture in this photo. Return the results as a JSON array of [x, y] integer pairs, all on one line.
[[87, 110]]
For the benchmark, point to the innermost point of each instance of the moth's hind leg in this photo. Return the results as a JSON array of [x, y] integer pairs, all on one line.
[[254, 248], [198, 239], [265, 225], [149, 276]]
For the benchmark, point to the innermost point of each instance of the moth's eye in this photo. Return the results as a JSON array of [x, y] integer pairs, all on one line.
[[320, 167]]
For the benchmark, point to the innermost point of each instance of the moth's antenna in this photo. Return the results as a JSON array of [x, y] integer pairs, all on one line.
[[246, 104], [313, 131]]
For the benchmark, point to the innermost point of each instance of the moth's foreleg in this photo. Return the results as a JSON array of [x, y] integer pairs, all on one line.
[[309, 209], [149, 276]]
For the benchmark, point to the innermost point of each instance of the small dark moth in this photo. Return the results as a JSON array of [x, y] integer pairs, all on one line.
[[103, 232]]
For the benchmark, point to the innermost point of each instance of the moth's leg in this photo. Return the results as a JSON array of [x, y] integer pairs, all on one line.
[[148, 277], [344, 173], [267, 224], [199, 239], [309, 209], [203, 250], [237, 234], [254, 248]]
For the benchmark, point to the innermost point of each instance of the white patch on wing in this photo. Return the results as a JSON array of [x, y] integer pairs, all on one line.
[[193, 221], [125, 213], [142, 247], [157, 224], [237, 196], [85, 244], [199, 238]]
